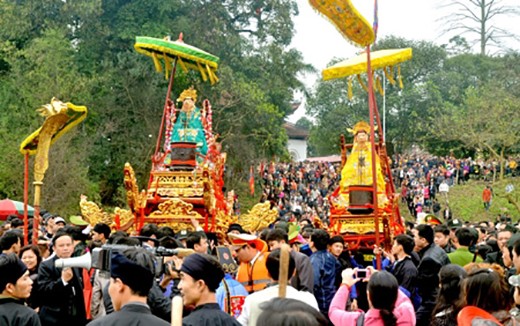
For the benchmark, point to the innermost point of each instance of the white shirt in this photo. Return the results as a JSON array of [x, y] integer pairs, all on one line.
[[251, 308]]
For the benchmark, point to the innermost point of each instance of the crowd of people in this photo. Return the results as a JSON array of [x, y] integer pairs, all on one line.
[[431, 275], [300, 190]]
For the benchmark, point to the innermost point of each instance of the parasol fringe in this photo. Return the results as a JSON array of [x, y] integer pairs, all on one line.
[[183, 65], [156, 62], [379, 86], [388, 74], [202, 73], [399, 77], [362, 83], [349, 91], [211, 75]]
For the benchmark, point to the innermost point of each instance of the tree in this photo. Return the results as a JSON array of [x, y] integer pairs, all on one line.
[[407, 108], [479, 19], [489, 121], [304, 123], [81, 51]]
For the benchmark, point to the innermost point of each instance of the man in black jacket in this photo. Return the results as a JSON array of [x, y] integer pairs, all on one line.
[[131, 278], [61, 289], [200, 277], [403, 268], [16, 286]]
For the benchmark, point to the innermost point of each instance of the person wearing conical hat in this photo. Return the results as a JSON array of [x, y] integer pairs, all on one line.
[[188, 126], [252, 254], [358, 167]]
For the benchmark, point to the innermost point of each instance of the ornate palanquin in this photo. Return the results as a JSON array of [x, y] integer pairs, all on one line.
[[364, 212]]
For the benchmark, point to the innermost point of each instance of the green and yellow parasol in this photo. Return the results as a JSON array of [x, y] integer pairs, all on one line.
[[187, 56]]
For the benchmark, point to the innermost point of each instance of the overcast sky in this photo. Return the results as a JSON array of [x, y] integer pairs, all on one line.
[[319, 41]]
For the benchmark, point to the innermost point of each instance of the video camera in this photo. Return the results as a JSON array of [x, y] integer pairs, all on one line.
[[100, 258]]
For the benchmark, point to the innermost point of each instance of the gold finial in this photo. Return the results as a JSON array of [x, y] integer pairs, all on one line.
[[188, 93]]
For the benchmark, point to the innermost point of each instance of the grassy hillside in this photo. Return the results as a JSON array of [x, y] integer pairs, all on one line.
[[466, 201]]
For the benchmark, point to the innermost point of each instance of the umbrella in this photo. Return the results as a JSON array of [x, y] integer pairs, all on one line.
[[345, 17], [379, 60], [382, 59], [188, 57], [13, 207]]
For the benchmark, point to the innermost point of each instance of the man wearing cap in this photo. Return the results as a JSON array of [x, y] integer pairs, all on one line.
[[182, 236], [200, 277], [59, 222], [62, 288], [131, 279], [15, 287], [250, 251]]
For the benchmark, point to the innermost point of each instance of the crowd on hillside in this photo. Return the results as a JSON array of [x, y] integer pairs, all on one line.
[[300, 190], [425, 180]]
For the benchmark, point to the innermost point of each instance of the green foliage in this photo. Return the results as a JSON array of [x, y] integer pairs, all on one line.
[[82, 52], [304, 123]]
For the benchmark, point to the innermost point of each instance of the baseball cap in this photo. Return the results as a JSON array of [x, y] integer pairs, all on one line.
[[182, 235], [59, 219], [454, 223]]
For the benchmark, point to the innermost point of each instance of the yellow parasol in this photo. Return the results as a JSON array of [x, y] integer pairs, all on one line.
[[345, 17], [382, 59]]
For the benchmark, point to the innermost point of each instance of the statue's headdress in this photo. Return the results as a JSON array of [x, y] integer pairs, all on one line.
[[360, 126], [188, 93]]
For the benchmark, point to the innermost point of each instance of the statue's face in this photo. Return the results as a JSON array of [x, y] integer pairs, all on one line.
[[361, 137], [188, 105]]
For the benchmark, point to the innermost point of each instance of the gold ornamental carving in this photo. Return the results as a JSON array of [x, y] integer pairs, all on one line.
[[259, 217], [177, 184], [175, 208], [359, 225], [93, 214], [135, 199]]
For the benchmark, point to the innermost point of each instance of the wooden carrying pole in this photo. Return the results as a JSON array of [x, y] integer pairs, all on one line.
[[177, 306], [283, 276]]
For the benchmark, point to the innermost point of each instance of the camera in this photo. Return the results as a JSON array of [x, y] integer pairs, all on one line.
[[101, 256], [363, 273]]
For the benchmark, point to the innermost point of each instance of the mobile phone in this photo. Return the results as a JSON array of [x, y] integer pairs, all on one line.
[[362, 273]]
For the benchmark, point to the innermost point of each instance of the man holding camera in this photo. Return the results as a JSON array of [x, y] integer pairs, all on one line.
[[131, 279]]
